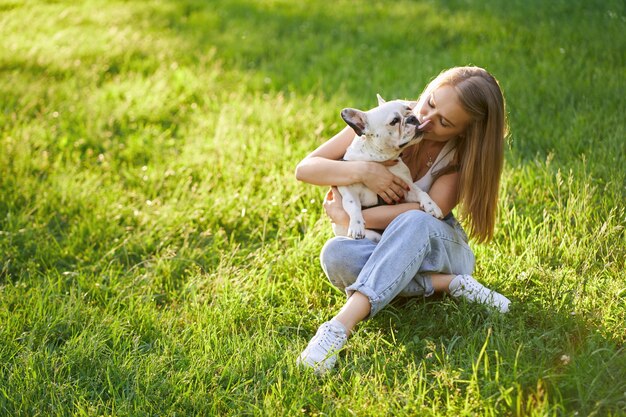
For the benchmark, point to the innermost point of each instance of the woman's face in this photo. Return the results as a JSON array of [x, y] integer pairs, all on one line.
[[447, 118]]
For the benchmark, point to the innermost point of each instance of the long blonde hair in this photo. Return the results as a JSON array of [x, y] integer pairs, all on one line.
[[480, 150]]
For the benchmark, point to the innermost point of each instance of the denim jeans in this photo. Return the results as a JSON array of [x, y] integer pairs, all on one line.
[[414, 245]]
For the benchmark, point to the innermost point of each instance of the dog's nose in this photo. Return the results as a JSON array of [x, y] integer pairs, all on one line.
[[412, 120]]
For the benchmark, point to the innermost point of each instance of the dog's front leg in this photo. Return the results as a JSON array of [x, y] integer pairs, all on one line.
[[416, 195], [352, 205]]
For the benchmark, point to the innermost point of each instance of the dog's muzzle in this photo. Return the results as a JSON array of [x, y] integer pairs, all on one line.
[[419, 128]]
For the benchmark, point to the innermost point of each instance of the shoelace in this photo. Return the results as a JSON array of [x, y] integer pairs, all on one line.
[[330, 342], [472, 287]]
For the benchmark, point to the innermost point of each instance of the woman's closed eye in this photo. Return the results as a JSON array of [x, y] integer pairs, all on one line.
[[442, 121]]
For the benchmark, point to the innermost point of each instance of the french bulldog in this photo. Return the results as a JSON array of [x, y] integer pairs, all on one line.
[[382, 133]]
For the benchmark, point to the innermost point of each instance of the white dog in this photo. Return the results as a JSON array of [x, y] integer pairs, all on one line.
[[381, 135]]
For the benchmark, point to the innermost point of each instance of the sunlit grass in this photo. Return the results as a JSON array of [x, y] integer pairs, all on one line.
[[159, 258]]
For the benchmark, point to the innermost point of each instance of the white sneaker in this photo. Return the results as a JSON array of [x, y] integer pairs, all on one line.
[[464, 286], [321, 353]]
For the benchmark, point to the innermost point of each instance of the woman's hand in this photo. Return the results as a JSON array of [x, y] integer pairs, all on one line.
[[334, 208], [391, 188]]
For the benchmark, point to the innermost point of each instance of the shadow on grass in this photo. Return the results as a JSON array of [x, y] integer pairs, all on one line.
[[531, 358], [547, 66]]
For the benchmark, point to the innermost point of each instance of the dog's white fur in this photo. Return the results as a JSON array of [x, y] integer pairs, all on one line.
[[381, 135]]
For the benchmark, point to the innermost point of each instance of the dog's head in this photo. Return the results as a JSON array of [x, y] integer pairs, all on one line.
[[392, 125]]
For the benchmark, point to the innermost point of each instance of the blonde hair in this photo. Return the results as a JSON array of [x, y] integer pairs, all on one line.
[[480, 150]]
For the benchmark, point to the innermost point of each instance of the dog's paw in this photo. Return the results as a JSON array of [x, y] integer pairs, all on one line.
[[356, 230], [373, 236], [432, 208], [356, 234]]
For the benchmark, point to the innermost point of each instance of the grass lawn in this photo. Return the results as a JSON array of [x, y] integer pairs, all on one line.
[[158, 257]]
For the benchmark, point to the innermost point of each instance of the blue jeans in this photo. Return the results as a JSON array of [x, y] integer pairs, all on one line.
[[414, 245]]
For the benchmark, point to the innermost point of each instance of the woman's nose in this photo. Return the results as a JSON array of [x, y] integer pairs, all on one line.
[[425, 113]]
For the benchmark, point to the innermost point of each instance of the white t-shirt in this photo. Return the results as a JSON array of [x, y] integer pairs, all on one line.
[[446, 155]]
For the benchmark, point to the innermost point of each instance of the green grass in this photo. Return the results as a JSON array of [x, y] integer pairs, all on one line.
[[158, 257]]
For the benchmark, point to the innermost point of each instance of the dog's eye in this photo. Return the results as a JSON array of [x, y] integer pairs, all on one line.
[[395, 121]]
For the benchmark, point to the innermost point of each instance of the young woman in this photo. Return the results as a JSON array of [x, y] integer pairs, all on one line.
[[458, 162]]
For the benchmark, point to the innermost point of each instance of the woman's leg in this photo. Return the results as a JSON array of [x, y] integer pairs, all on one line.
[[342, 260], [445, 251], [413, 242], [355, 310], [441, 282]]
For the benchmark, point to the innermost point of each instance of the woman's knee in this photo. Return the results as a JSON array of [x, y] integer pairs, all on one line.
[[331, 249], [342, 259]]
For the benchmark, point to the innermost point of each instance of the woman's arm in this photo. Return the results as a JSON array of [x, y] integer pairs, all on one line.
[[324, 167], [443, 192]]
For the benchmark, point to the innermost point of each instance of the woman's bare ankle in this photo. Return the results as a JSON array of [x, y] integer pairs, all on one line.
[[441, 282], [355, 310]]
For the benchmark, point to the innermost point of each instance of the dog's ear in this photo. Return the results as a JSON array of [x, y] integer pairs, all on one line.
[[356, 119], [381, 100]]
